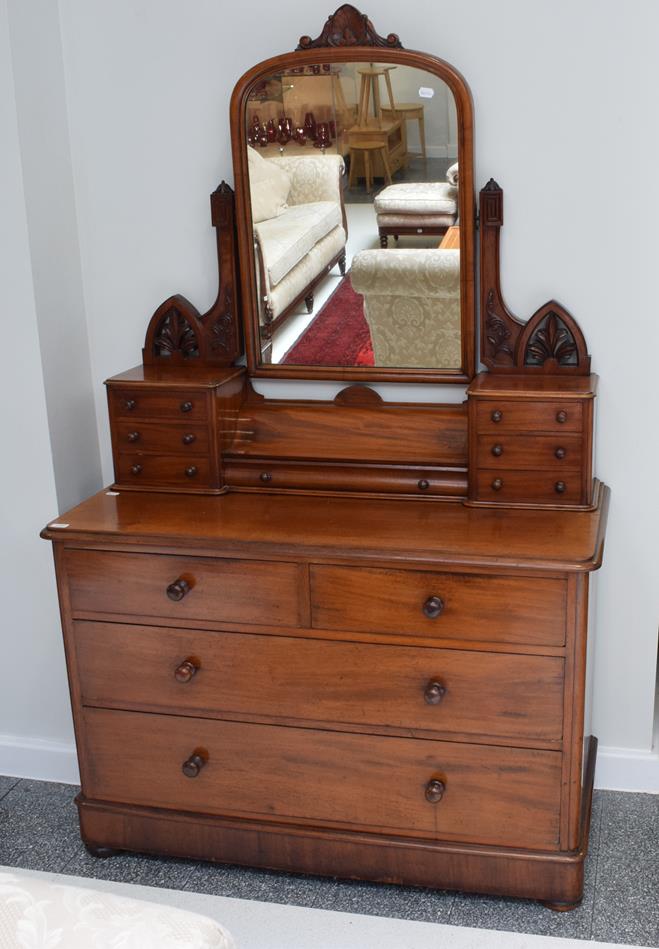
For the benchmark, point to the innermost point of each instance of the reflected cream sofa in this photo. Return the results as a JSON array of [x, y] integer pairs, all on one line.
[[411, 305], [300, 229]]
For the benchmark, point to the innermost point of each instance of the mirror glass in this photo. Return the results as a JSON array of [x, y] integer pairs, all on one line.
[[354, 177]]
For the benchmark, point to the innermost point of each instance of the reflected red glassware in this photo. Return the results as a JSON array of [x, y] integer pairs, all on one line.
[[263, 137], [300, 136], [256, 121], [271, 130], [310, 125], [322, 135]]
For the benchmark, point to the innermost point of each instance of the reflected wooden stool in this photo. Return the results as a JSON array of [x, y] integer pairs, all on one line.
[[365, 150], [409, 111], [371, 82]]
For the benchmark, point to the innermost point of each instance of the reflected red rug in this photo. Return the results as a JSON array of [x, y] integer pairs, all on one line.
[[337, 336]]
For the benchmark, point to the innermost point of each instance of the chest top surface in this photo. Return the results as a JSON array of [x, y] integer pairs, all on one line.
[[363, 528]]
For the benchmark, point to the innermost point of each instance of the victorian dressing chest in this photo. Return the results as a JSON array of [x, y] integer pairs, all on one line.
[[343, 637]]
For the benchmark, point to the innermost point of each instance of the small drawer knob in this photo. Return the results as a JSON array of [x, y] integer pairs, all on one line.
[[265, 477], [497, 484], [178, 589], [423, 484], [560, 487], [561, 416], [434, 692], [497, 450], [194, 764], [433, 607], [435, 791], [130, 404], [133, 436], [189, 438], [191, 471], [186, 406], [560, 453], [136, 470], [186, 671], [497, 415]]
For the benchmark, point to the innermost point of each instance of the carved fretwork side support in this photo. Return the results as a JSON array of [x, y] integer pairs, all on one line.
[[178, 334], [550, 342], [348, 27]]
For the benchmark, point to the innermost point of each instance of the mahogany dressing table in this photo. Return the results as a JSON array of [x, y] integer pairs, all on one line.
[[342, 637]]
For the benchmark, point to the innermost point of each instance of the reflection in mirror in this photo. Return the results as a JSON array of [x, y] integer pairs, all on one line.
[[353, 171]]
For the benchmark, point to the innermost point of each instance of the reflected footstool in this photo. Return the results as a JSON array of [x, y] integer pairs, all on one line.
[[416, 207]]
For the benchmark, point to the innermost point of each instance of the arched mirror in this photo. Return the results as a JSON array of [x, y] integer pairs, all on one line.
[[355, 210]]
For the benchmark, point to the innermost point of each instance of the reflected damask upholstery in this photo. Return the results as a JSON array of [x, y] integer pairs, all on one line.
[[37, 914], [411, 305], [296, 245]]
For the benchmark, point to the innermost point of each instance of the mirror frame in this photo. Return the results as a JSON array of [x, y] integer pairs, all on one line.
[[330, 53]]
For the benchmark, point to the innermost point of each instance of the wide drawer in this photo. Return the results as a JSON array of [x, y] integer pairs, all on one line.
[[558, 452], [137, 435], [136, 468], [236, 591], [532, 416], [463, 606], [155, 403], [492, 795], [549, 487], [363, 685]]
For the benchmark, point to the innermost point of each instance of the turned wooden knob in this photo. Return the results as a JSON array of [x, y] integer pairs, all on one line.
[[186, 406], [434, 692], [186, 671], [136, 469], [189, 438], [265, 477], [433, 607], [497, 450], [560, 487], [560, 453], [423, 485], [435, 791], [191, 471], [193, 765], [178, 589], [130, 404], [497, 484], [133, 436], [497, 415], [561, 416]]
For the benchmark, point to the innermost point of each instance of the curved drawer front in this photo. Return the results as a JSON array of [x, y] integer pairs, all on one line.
[[356, 684], [436, 789], [183, 588], [180, 404], [137, 435], [462, 606]]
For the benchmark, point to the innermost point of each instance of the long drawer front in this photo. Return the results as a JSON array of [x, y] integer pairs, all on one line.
[[439, 605], [183, 588], [353, 684], [437, 789]]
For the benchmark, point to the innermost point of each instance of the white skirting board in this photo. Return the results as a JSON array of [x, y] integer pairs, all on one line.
[[38, 758], [618, 769], [627, 769]]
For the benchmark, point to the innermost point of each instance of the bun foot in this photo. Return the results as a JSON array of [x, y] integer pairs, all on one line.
[[94, 851], [559, 907]]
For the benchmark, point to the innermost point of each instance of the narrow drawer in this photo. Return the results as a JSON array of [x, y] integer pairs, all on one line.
[[558, 452], [491, 795], [137, 468], [550, 487], [461, 606], [228, 674], [531, 416], [157, 403], [236, 591], [137, 435]]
